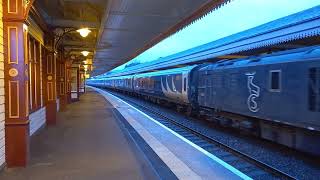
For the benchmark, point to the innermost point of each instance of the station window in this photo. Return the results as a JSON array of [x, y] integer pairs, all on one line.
[[34, 74], [275, 80]]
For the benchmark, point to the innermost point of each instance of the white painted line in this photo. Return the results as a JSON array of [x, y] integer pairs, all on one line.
[[175, 164], [211, 156], [179, 168]]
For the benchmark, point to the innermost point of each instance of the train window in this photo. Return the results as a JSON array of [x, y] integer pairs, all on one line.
[[314, 89], [254, 60], [184, 84], [275, 80], [229, 63]]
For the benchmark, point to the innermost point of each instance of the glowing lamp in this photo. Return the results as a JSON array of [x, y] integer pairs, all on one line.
[[25, 27], [85, 53], [85, 67], [84, 32]]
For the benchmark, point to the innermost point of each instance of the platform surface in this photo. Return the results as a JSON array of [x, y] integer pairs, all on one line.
[[87, 143], [185, 159]]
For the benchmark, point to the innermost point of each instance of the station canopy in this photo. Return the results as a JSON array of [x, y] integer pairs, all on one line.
[[294, 31], [121, 29]]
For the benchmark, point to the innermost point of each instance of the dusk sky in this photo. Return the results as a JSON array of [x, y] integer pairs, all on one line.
[[234, 17]]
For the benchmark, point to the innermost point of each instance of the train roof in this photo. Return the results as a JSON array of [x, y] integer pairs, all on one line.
[[150, 74], [168, 71], [120, 77], [300, 54]]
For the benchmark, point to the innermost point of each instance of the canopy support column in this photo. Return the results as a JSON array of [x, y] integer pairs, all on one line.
[[16, 83], [49, 72]]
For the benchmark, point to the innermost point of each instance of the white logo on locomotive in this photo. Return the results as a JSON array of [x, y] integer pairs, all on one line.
[[254, 92]]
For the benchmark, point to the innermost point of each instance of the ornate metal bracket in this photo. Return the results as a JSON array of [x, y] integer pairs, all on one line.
[[59, 33]]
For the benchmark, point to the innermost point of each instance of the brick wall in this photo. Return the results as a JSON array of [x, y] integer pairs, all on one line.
[[2, 100]]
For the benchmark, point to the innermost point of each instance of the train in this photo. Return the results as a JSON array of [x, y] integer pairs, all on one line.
[[275, 96]]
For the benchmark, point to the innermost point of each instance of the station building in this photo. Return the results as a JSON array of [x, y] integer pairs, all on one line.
[[36, 80], [45, 56]]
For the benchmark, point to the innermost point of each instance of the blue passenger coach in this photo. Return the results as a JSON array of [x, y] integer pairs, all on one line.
[[275, 96], [281, 87], [171, 85]]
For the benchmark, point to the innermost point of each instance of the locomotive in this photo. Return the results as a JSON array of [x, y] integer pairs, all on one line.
[[274, 96]]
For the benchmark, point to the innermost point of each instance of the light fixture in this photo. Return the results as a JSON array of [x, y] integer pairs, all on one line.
[[84, 32], [25, 27], [85, 53], [85, 67]]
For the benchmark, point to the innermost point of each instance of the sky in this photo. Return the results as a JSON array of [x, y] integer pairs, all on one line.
[[234, 17]]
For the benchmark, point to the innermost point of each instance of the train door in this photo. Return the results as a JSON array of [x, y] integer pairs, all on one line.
[[185, 86]]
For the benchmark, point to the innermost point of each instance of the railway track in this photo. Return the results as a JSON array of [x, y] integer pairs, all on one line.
[[241, 161]]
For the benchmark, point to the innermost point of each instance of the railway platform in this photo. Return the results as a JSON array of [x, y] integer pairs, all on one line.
[[86, 143]]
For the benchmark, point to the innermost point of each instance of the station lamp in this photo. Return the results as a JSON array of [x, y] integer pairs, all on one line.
[[25, 27], [84, 32], [85, 53], [85, 68]]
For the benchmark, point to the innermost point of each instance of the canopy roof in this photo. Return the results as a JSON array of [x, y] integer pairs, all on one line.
[[130, 27], [121, 29], [297, 30]]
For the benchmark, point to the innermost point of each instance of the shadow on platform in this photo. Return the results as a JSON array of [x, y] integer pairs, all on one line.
[[87, 143]]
